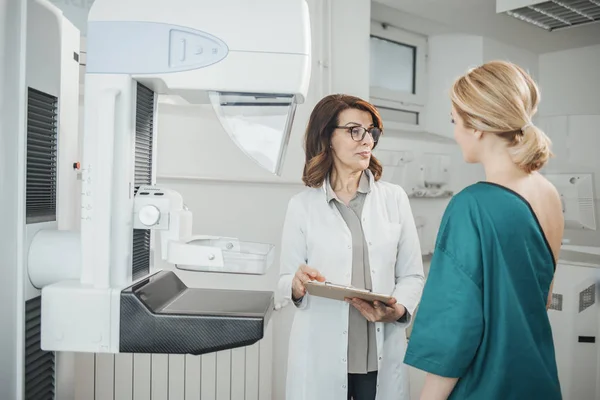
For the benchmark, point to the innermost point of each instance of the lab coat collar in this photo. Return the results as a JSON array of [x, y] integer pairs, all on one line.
[[364, 185]]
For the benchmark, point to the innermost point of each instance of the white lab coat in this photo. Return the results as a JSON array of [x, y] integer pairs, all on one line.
[[315, 233]]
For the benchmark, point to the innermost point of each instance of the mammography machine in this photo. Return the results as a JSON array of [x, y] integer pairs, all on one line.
[[251, 61]]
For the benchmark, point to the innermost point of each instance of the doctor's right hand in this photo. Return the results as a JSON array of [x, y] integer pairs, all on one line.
[[304, 274]]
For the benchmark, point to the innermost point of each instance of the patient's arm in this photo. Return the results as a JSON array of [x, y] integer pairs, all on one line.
[[437, 387]]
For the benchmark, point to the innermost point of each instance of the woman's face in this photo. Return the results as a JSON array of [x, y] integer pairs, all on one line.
[[348, 153], [467, 139]]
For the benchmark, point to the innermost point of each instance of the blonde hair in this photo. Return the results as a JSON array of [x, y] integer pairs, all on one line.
[[500, 97]]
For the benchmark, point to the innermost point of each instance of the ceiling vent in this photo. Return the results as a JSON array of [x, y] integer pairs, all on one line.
[[552, 15]]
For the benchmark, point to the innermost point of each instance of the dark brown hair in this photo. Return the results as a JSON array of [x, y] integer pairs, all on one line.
[[317, 138]]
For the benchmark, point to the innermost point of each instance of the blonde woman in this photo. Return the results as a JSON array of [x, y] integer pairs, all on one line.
[[482, 330]]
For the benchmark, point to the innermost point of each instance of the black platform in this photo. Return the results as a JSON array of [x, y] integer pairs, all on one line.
[[161, 315]]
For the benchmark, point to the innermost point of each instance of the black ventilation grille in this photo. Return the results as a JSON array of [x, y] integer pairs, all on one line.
[[42, 132], [141, 253], [144, 130], [39, 364], [587, 297], [557, 302], [554, 14]]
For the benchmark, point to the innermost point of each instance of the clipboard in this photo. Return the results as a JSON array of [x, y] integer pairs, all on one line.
[[340, 292]]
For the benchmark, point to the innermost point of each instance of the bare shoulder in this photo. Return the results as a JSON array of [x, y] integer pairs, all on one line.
[[548, 191], [547, 204], [549, 186]]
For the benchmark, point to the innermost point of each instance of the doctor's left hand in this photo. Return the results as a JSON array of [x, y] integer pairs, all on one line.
[[378, 311]]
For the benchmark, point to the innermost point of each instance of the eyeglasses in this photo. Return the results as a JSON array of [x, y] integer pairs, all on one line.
[[358, 132]]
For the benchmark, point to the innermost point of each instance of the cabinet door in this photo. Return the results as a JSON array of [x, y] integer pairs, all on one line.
[[574, 320]]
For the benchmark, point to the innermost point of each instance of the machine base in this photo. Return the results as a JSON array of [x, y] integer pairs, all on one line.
[[160, 314]]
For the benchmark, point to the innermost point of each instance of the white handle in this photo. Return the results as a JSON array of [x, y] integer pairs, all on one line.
[[191, 257]]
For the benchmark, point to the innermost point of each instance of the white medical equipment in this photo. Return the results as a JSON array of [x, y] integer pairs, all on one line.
[[251, 61]]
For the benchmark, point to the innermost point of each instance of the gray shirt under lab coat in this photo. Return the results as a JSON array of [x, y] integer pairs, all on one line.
[[362, 347]]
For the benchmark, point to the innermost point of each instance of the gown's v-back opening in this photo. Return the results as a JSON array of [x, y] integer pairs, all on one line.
[[531, 210]]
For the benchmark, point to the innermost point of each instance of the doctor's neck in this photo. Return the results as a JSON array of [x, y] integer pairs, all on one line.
[[344, 180]]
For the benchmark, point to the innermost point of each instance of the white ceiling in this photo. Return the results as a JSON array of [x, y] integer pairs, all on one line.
[[479, 17]]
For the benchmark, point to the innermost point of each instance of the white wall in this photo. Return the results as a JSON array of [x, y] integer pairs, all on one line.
[[449, 58], [410, 22], [570, 114], [494, 50], [350, 27], [570, 82]]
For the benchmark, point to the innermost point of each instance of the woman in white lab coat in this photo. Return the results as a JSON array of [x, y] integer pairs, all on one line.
[[348, 228]]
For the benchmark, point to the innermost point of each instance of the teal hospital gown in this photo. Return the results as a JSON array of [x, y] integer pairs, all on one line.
[[482, 316]]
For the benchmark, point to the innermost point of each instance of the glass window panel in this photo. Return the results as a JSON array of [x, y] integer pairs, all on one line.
[[402, 116], [392, 65]]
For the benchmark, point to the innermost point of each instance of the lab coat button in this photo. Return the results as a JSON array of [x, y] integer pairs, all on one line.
[[343, 360], [345, 332], [349, 246], [378, 329], [343, 386]]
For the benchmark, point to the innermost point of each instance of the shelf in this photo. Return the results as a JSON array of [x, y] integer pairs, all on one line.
[[220, 254]]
